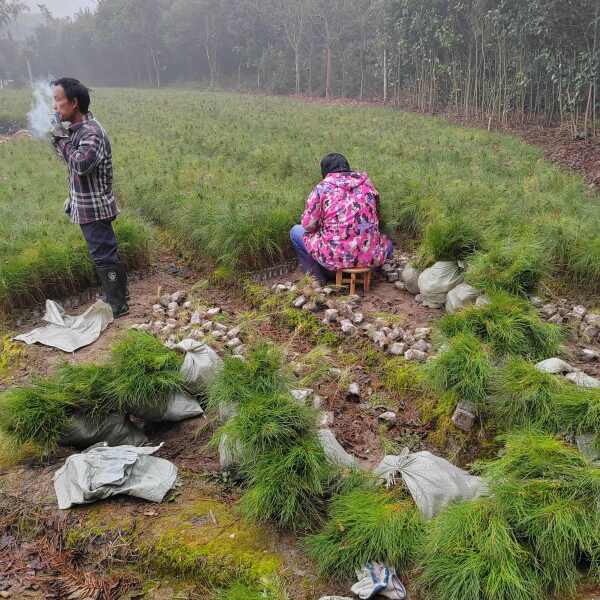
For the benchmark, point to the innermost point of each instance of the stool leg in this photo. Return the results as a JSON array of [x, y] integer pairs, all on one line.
[[367, 282], [338, 279], [353, 284]]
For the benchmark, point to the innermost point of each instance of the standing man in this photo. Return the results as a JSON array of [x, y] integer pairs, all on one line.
[[86, 149]]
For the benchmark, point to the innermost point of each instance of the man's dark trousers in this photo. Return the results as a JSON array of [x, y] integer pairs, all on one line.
[[102, 243]]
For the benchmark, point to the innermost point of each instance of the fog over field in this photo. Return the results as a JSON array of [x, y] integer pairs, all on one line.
[[61, 8]]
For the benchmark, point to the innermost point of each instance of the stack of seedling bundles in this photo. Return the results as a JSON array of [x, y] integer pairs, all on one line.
[[84, 404]]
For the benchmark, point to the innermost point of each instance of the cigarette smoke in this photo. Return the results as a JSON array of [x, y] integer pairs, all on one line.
[[40, 116]]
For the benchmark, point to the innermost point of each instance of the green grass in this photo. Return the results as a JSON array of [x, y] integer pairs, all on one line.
[[145, 374], [366, 525], [509, 325], [464, 368], [229, 187]]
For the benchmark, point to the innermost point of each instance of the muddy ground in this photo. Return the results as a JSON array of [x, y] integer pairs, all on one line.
[[105, 541]]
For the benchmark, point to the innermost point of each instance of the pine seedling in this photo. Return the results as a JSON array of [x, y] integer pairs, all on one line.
[[464, 368], [268, 423], [240, 380], [145, 374], [508, 325], [288, 485], [37, 414], [471, 553], [366, 524]]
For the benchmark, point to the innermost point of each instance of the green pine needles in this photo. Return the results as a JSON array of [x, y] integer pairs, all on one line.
[[531, 538], [509, 325], [464, 368], [287, 472], [366, 524], [146, 373], [549, 495], [139, 379], [471, 553]]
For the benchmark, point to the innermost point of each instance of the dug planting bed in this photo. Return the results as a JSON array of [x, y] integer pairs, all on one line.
[[227, 175]]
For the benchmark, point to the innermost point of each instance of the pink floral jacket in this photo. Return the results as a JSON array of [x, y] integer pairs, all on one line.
[[341, 223]]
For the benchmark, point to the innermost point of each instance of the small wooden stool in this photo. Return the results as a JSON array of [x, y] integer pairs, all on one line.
[[365, 280]]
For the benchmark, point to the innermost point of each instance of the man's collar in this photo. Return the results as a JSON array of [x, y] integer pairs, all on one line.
[[87, 117]]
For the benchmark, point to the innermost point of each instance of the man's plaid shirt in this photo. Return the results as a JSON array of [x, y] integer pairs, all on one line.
[[88, 155]]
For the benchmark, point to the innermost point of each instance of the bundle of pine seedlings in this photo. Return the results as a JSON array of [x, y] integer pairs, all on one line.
[[533, 537], [287, 473], [140, 376], [367, 523], [39, 413], [145, 374], [523, 396], [509, 325]]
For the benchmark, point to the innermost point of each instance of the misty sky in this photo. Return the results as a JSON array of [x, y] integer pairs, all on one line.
[[61, 8]]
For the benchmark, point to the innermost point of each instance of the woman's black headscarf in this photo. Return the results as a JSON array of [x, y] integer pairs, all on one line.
[[334, 163]]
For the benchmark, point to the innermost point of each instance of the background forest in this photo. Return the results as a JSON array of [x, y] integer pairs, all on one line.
[[504, 59]]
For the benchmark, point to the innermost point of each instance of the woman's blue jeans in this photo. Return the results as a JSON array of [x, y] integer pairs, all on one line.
[[308, 263]]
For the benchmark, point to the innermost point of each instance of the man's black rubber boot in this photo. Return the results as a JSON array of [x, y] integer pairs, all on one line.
[[113, 280]]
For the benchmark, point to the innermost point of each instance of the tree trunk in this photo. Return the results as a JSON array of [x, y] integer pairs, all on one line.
[[297, 67], [328, 72], [385, 75]]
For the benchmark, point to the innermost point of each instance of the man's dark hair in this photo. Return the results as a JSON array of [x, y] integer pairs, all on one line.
[[334, 163], [74, 89]]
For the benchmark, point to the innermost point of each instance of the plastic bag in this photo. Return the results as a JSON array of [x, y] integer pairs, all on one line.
[[181, 406], [432, 481], [437, 281], [459, 297], [115, 430], [554, 366], [201, 363], [334, 450], [69, 333], [583, 380], [230, 452], [102, 472], [410, 276]]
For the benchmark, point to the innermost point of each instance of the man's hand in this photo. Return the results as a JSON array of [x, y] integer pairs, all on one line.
[[59, 132]]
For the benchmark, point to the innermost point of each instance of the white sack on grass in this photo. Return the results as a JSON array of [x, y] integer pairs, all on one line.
[[180, 406], [554, 366], [437, 281], [410, 276], [201, 363], [334, 450], [230, 453], [582, 380], [102, 472], [199, 368], [69, 333], [459, 297], [432, 481]]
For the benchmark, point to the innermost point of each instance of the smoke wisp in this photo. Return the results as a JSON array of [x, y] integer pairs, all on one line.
[[40, 115]]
